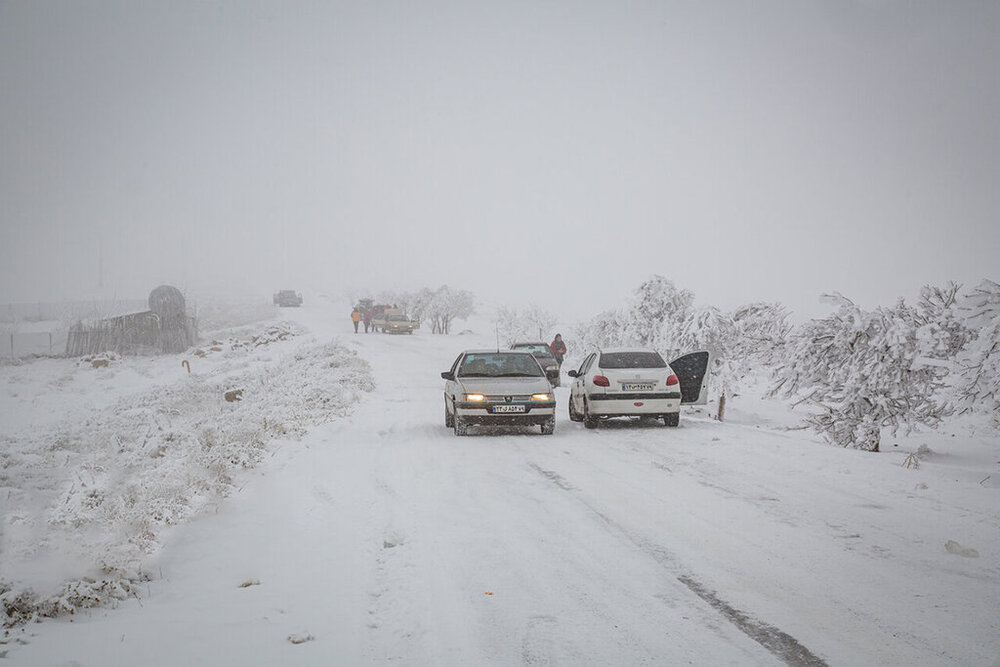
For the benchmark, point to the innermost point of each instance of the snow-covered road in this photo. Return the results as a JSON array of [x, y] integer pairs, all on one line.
[[381, 537]]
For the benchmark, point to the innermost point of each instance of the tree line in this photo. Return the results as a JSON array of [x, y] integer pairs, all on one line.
[[854, 372], [439, 307]]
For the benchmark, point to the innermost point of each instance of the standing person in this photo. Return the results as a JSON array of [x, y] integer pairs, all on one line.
[[558, 348], [355, 317], [367, 319]]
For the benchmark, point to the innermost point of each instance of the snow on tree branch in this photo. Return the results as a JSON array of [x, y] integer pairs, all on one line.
[[859, 371]]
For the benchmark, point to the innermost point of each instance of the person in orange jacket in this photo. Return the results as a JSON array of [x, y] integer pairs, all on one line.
[[355, 317]]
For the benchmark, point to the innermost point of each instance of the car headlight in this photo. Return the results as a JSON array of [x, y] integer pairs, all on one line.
[[541, 397], [475, 398]]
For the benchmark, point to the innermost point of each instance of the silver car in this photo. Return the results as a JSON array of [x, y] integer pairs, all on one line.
[[494, 387]]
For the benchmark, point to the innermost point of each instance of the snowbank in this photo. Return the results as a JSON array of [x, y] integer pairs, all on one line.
[[90, 494]]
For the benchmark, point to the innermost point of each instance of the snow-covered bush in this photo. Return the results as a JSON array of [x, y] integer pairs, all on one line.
[[101, 492], [861, 371]]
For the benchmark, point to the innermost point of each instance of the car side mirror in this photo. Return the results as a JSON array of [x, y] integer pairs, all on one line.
[[572, 374], [448, 375], [552, 374]]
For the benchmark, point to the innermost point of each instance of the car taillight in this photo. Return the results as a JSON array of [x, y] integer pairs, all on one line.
[[672, 380], [601, 381]]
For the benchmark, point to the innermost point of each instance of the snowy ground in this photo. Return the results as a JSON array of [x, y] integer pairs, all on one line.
[[328, 517]]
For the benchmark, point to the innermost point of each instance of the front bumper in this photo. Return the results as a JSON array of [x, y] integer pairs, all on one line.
[[535, 412]]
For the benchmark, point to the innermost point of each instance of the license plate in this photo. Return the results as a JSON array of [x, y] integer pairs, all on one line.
[[508, 408], [636, 386]]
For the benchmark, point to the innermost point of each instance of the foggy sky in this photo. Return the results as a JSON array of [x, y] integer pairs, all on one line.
[[549, 152]]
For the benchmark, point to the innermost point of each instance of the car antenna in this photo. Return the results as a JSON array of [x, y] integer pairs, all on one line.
[[497, 329]]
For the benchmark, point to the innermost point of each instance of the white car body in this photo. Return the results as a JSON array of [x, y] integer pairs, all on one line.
[[497, 387], [631, 382]]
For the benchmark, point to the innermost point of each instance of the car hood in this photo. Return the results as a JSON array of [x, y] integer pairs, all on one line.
[[529, 385]]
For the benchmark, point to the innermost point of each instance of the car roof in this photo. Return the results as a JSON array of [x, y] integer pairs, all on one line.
[[494, 351], [625, 350]]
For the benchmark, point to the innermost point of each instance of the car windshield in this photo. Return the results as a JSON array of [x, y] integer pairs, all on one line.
[[539, 350], [499, 364], [631, 360], [397, 318]]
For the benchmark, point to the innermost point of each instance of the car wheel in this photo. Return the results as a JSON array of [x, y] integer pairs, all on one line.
[[588, 420], [449, 420], [672, 419], [573, 414], [461, 428], [549, 427]]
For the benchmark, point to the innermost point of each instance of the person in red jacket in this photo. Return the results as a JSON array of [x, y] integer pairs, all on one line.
[[558, 348]]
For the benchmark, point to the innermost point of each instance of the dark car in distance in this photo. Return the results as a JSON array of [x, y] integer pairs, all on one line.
[[543, 355]]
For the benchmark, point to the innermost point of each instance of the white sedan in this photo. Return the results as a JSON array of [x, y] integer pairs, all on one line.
[[636, 383], [497, 387]]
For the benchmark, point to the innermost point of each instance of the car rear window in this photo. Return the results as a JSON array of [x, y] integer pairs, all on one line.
[[631, 360], [499, 364]]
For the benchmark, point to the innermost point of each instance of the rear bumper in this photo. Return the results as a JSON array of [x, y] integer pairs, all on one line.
[[622, 405]]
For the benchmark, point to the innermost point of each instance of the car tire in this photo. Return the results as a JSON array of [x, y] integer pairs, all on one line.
[[588, 420], [449, 420], [672, 419], [549, 426], [573, 414]]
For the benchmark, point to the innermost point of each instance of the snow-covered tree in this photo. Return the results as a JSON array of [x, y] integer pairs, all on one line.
[[652, 317], [860, 372], [761, 332], [605, 330], [713, 330], [447, 305], [657, 313], [533, 323], [979, 362]]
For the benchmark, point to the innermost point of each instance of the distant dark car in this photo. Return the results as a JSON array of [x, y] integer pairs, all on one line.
[[287, 297], [543, 354]]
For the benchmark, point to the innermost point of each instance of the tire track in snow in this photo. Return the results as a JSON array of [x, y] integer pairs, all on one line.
[[778, 643]]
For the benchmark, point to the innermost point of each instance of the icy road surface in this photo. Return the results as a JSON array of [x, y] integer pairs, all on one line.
[[384, 538]]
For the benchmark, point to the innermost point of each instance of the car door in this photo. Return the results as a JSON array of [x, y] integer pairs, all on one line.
[[692, 371], [579, 386], [450, 386]]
